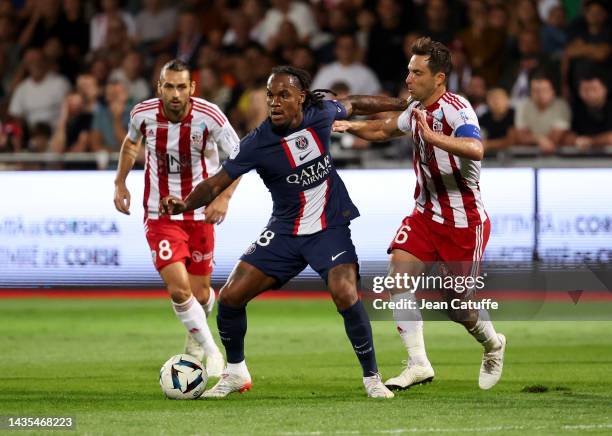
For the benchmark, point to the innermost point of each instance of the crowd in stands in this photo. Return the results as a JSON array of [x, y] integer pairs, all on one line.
[[536, 71]]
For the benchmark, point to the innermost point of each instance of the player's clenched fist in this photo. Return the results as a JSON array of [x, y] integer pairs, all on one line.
[[171, 205]]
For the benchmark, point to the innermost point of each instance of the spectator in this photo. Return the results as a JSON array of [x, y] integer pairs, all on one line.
[[111, 118], [483, 45], [190, 38], [296, 12], [9, 56], [99, 69], [74, 128], [592, 121], [497, 123], [282, 44], [43, 21], [518, 70], [498, 18], [99, 27], [461, 74], [386, 43], [130, 74], [476, 93], [211, 88], [553, 33], [324, 43], [542, 119], [154, 25], [254, 11], [437, 24], [11, 134], [117, 43], [238, 36], [40, 135], [360, 78], [38, 98], [304, 58], [74, 32], [588, 45], [524, 16]]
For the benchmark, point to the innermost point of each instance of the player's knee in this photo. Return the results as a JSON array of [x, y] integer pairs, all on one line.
[[464, 317], [344, 295], [228, 297], [179, 293]]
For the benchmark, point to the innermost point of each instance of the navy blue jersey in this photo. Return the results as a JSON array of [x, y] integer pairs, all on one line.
[[295, 165]]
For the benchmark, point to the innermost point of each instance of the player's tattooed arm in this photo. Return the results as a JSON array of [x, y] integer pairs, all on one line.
[[127, 157], [370, 130], [371, 104], [469, 148], [202, 195]]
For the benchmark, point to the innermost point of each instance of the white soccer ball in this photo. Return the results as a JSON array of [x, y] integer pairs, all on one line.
[[183, 377]]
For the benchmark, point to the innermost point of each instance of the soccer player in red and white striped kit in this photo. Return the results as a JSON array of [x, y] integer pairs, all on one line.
[[181, 135], [449, 223]]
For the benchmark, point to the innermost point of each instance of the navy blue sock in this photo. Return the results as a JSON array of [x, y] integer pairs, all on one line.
[[232, 325], [359, 331]]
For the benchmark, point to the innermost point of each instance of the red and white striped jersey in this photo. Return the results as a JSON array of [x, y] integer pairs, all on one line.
[[179, 155], [447, 187]]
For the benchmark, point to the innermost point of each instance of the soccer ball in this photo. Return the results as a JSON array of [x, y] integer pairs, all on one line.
[[183, 377]]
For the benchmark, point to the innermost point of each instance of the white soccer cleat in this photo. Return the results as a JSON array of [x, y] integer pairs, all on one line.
[[193, 348], [215, 364], [375, 387], [492, 365], [227, 384], [412, 375]]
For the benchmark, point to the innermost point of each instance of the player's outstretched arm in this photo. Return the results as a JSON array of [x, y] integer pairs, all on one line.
[[217, 209], [371, 104], [370, 130], [127, 157], [202, 195]]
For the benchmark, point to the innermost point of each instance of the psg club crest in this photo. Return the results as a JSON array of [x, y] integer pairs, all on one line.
[[301, 143], [196, 138]]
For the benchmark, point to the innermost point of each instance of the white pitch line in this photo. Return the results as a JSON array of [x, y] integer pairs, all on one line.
[[454, 429]]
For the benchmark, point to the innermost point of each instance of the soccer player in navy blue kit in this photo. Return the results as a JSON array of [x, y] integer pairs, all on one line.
[[310, 218]]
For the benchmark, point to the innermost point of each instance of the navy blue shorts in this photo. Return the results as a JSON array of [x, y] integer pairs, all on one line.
[[285, 256]]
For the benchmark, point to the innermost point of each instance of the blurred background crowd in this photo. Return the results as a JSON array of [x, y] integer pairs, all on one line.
[[536, 71]]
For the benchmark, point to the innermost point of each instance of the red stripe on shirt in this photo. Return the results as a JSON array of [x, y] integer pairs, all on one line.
[[445, 206], [449, 101], [215, 115], [288, 153], [213, 108], [143, 107], [147, 186], [467, 196], [317, 140], [323, 218], [161, 155], [185, 159]]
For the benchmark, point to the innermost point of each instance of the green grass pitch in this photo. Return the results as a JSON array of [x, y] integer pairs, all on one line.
[[99, 360]]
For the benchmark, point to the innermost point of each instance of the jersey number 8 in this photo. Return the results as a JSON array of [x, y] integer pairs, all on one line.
[[265, 238]]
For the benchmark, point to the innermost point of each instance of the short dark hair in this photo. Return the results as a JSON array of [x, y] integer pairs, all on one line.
[[439, 55], [174, 65]]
